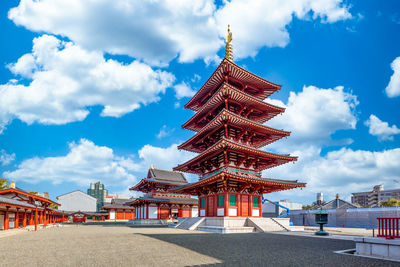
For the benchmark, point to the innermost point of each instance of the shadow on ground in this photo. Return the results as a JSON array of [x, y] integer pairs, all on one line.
[[264, 249]]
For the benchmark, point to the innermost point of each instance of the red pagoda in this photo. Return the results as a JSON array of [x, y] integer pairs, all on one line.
[[229, 125]]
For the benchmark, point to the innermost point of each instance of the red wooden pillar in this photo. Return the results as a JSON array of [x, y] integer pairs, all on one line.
[[199, 203], [190, 211], [250, 205], [260, 205], [239, 205], [16, 222], [180, 211], [147, 211], [6, 219], [45, 216], [226, 204], [31, 218], [36, 219], [158, 212], [63, 218], [24, 220]]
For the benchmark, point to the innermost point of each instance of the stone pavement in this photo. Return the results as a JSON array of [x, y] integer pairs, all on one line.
[[124, 246]]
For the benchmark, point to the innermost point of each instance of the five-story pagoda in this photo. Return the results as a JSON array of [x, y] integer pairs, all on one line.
[[230, 112]]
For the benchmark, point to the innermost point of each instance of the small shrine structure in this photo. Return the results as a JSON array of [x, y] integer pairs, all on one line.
[[160, 204]]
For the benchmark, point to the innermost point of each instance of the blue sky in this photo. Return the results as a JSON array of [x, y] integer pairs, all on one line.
[[96, 92]]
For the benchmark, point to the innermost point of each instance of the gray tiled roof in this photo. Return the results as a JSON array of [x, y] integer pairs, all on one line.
[[121, 201], [172, 176], [15, 202], [117, 206]]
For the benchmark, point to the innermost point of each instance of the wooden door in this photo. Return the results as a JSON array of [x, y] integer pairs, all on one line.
[[185, 212], [164, 212], [210, 206], [245, 206]]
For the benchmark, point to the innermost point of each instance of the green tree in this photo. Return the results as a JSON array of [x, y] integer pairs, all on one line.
[[3, 183], [391, 202]]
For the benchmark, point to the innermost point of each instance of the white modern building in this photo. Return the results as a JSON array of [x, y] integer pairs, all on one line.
[[77, 201]]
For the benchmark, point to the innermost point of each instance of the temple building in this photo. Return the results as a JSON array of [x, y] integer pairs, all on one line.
[[160, 204], [229, 134], [19, 209], [119, 209]]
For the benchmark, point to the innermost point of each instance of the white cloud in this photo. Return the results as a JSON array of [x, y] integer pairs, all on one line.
[[164, 131], [256, 24], [393, 88], [380, 128], [67, 79], [84, 163], [313, 115], [159, 31], [344, 171], [164, 158], [87, 162], [5, 158], [183, 90]]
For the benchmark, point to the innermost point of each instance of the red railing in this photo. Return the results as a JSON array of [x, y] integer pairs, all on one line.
[[388, 228]]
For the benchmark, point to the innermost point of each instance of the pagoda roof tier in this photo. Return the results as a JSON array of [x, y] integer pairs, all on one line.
[[250, 183], [229, 71], [225, 152], [150, 185], [243, 129], [238, 102]]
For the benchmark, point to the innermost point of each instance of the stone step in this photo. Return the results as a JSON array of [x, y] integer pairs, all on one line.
[[226, 230]]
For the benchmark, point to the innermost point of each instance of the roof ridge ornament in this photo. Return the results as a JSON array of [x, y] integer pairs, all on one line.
[[228, 47]]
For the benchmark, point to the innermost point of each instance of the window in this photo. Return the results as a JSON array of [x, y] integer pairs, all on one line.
[[232, 200], [202, 203], [220, 200], [255, 202]]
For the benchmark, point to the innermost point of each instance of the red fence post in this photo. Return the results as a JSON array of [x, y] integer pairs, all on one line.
[[388, 227]]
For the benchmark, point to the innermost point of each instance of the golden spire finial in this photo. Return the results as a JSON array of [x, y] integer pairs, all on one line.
[[228, 47]]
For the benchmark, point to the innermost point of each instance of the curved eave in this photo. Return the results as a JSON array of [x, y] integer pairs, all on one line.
[[223, 144], [271, 185], [226, 115], [236, 72], [236, 95]]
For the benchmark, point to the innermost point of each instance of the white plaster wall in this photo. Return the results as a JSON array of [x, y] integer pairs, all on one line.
[[220, 212], [255, 212], [195, 212], [77, 201], [232, 212], [112, 214], [152, 212], [202, 213]]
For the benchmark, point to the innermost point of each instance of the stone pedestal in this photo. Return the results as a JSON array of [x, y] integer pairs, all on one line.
[[378, 247]]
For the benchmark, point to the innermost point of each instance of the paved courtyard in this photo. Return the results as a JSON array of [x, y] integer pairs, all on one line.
[[123, 246]]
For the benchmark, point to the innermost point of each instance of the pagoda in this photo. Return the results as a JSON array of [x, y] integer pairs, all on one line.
[[229, 132]]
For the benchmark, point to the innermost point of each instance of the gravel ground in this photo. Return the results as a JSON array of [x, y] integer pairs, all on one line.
[[124, 246]]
